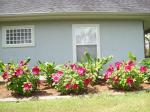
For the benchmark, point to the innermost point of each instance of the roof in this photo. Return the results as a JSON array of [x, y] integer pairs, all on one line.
[[67, 6]]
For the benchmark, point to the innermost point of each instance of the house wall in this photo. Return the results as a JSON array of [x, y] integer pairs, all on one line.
[[53, 40]]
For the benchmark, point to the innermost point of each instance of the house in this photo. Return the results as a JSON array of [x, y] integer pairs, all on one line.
[[61, 30]]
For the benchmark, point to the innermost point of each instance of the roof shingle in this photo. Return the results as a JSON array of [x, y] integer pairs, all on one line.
[[52, 6]]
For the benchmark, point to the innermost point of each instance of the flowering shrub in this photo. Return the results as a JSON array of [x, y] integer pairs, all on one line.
[[125, 75], [46, 70], [19, 78], [71, 78], [146, 62]]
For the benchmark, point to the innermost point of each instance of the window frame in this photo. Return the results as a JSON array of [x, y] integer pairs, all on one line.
[[74, 26], [5, 28]]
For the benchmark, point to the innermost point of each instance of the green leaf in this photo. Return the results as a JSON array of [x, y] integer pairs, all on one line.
[[131, 56]]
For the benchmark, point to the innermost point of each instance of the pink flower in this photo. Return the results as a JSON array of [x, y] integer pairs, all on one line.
[[107, 76], [68, 86], [35, 70], [108, 72], [59, 73], [27, 86], [18, 72], [131, 63], [75, 86], [81, 71], [143, 69], [73, 66], [56, 76], [129, 81], [5, 75], [118, 64], [127, 68], [87, 81]]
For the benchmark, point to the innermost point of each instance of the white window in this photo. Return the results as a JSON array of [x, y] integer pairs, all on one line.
[[18, 36], [86, 37]]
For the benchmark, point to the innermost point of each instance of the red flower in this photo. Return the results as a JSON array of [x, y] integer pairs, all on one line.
[[129, 81], [18, 72], [27, 86], [73, 66], [35, 70], [118, 64], [143, 69], [87, 81], [68, 86], [110, 69], [75, 86], [131, 63], [127, 68], [81, 71], [5, 75]]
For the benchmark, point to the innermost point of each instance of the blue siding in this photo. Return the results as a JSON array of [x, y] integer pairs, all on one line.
[[53, 40]]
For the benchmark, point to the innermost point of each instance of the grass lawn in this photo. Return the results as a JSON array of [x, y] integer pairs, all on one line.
[[130, 102]]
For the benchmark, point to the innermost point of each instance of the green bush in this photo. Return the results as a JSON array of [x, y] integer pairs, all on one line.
[[71, 78], [75, 78], [46, 70], [94, 66], [126, 75], [146, 62], [19, 79]]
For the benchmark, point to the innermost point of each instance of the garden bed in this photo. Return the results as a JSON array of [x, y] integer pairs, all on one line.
[[44, 90]]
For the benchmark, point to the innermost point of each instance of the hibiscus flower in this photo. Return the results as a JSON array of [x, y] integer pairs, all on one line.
[[59, 73], [131, 63], [127, 68], [143, 69], [56, 76], [68, 86], [108, 72], [35, 70], [87, 81], [75, 86], [81, 71], [73, 66], [18, 72], [27, 86], [5, 75], [118, 64], [129, 81]]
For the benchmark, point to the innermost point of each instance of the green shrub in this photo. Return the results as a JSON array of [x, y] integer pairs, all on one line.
[[71, 78], [19, 78], [146, 62], [75, 78], [94, 66], [126, 75], [46, 70]]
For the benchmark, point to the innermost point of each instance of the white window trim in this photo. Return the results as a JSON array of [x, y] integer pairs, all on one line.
[[4, 28], [74, 26]]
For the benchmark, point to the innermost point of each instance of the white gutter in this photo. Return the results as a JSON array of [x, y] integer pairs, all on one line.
[[72, 15]]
